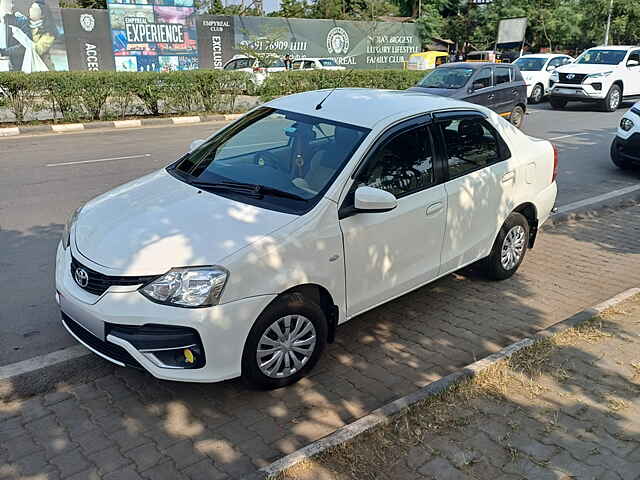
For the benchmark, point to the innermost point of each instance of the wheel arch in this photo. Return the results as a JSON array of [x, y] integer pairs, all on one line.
[[530, 212], [322, 297], [619, 83]]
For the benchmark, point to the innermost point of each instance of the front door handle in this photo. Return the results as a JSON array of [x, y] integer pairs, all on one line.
[[491, 96], [508, 177], [434, 208]]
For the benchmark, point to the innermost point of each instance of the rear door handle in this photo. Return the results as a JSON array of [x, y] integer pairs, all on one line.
[[434, 208], [508, 177], [491, 96]]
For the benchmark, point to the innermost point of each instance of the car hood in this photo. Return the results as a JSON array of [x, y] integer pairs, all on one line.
[[586, 68], [443, 92], [158, 222]]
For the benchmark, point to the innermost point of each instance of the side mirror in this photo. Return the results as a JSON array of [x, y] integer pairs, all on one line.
[[195, 144], [632, 63], [369, 199]]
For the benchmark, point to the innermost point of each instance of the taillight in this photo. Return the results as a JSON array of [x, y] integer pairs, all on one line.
[[555, 164]]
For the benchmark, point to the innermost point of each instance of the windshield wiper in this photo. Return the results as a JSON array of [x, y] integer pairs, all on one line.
[[251, 189]]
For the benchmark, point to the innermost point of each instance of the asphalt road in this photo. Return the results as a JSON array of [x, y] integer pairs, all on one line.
[[42, 182]]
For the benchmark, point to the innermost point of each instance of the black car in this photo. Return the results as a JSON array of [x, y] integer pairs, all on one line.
[[499, 87]]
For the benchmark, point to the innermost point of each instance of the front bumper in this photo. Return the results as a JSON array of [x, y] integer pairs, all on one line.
[[583, 92], [116, 325]]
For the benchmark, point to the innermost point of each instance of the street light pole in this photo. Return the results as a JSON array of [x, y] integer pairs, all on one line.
[[606, 35]]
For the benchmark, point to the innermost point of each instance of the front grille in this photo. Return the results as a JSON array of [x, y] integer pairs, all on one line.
[[108, 349], [577, 78], [98, 283]]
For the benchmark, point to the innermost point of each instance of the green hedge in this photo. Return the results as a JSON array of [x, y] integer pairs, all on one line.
[[286, 83], [95, 95], [77, 96]]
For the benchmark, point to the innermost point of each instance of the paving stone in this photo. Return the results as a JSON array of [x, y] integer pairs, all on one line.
[[108, 460], [20, 446], [417, 456], [184, 454], [146, 456], [204, 470], [94, 441], [165, 471], [127, 473], [126, 439], [70, 463], [441, 469]]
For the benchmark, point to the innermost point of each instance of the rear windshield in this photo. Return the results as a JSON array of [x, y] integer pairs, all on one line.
[[449, 78]]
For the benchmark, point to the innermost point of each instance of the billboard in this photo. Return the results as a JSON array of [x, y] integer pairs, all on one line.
[[88, 39], [352, 44], [31, 36], [215, 40], [511, 32], [153, 35]]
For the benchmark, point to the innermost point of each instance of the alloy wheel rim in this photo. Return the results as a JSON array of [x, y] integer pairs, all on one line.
[[537, 94], [286, 346], [512, 247], [614, 102], [516, 118]]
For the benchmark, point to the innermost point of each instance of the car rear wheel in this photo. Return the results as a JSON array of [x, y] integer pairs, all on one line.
[[285, 343], [616, 158], [517, 116], [509, 248], [613, 100], [536, 95], [558, 103]]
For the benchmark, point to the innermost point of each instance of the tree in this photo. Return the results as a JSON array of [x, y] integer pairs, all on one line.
[[430, 24], [292, 9]]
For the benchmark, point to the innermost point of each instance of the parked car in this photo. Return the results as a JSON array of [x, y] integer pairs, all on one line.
[[606, 75], [484, 56], [536, 70], [498, 87], [242, 257], [258, 71], [427, 60], [316, 64], [625, 149]]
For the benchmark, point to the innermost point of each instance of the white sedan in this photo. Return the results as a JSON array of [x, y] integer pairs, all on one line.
[[316, 64], [243, 256], [536, 70]]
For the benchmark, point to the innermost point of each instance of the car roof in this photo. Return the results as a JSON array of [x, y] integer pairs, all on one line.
[[311, 58], [544, 55], [365, 107], [613, 47], [474, 65]]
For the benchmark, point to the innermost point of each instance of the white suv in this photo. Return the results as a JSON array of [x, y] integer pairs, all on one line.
[[536, 71], [242, 257], [606, 75], [625, 149]]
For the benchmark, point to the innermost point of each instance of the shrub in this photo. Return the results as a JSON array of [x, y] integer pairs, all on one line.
[[17, 94], [286, 83]]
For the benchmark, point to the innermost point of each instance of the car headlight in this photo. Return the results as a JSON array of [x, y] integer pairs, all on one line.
[[600, 75], [555, 76], [66, 233], [626, 124], [189, 287]]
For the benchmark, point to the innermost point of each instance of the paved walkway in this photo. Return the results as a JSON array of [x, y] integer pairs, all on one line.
[[127, 425], [569, 409]]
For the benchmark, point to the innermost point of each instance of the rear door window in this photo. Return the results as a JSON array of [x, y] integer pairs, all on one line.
[[503, 75]]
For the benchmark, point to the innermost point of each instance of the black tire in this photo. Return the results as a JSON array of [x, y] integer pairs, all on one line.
[[493, 264], [558, 103], [537, 94], [617, 159], [291, 304], [517, 116], [613, 100]]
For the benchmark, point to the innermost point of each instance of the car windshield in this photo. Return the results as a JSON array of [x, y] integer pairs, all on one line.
[[602, 57], [530, 64], [288, 159], [327, 62], [449, 78]]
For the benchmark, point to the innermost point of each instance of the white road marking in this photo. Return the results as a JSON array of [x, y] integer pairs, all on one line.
[[599, 198], [569, 136], [98, 160]]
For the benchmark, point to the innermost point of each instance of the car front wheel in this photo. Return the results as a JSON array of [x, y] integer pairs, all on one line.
[[616, 158], [613, 100], [536, 95], [285, 343], [558, 103], [509, 248]]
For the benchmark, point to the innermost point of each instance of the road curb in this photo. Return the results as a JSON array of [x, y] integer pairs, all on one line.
[[384, 414], [115, 124]]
